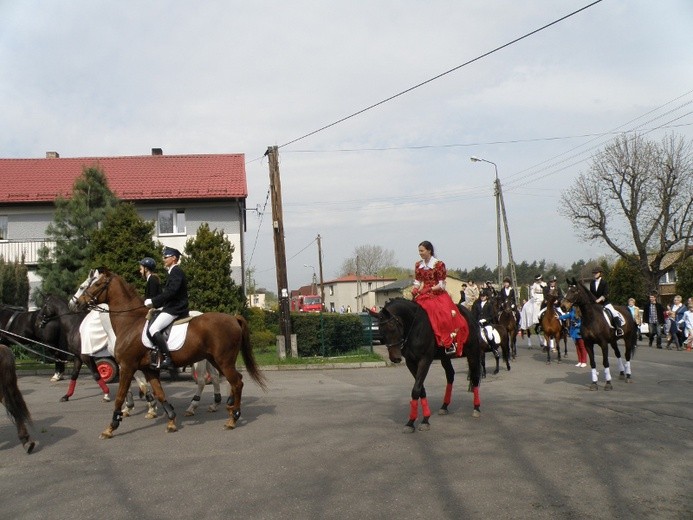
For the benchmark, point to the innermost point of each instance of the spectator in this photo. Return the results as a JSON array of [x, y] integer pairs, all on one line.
[[653, 315]]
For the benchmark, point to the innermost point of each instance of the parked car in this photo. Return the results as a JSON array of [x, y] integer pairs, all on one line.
[[371, 331]]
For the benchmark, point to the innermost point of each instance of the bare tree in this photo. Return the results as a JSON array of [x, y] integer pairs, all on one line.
[[368, 260], [638, 198]]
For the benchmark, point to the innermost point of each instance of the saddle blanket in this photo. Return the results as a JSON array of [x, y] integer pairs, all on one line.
[[492, 333], [177, 336]]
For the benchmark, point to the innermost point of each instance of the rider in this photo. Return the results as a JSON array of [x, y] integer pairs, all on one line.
[[536, 294], [449, 327], [600, 290], [482, 310], [507, 294], [553, 289], [173, 302], [148, 272]]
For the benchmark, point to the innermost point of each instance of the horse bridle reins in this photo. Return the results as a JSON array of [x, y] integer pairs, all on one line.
[[402, 342], [93, 305]]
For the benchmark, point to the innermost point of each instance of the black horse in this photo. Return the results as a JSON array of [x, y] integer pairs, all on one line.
[[12, 398], [502, 345], [407, 333], [55, 310], [507, 317], [596, 329], [20, 323]]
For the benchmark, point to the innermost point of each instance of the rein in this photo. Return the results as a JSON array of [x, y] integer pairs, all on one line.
[[402, 342], [93, 305]]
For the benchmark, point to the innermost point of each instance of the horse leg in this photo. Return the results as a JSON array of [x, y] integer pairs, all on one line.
[[233, 403], [91, 363], [200, 368], [73, 379], [557, 342], [147, 394], [418, 393], [217, 388], [547, 340], [153, 378], [123, 386], [589, 345], [27, 442], [450, 378], [605, 364]]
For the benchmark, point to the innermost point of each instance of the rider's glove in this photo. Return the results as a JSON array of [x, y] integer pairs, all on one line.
[[148, 302]]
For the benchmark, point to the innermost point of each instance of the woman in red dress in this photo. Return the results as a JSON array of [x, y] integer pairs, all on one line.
[[450, 328]]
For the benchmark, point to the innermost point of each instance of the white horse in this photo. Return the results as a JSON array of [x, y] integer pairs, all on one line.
[[202, 368]]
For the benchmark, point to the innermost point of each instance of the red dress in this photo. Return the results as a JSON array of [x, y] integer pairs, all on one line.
[[448, 324]]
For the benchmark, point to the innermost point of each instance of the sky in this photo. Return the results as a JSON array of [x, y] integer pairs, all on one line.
[[93, 78]]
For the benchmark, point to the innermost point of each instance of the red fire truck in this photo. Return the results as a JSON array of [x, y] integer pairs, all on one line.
[[306, 303]]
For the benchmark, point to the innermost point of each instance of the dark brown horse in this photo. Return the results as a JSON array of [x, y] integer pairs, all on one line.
[[214, 336], [596, 329], [12, 398], [406, 331], [507, 318], [552, 328]]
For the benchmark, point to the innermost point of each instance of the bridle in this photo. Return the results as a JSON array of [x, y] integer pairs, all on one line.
[[92, 302], [403, 341]]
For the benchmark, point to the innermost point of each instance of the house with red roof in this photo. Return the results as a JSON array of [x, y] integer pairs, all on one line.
[[353, 291], [178, 192]]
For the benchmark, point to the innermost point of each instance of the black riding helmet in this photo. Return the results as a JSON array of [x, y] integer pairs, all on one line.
[[149, 263]]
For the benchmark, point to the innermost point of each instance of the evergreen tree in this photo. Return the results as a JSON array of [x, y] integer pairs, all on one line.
[[626, 280], [207, 268], [75, 221], [14, 283], [21, 274], [684, 279], [122, 241]]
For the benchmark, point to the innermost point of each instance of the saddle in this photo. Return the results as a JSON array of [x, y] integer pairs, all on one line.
[[174, 333], [153, 313]]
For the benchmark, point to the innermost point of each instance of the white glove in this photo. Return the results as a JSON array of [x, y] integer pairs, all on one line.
[[148, 302]]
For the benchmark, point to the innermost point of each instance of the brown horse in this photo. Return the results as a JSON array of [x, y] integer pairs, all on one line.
[[596, 329], [12, 398], [552, 328], [214, 336], [508, 319]]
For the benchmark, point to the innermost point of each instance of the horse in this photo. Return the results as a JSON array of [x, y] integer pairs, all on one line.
[[552, 328], [508, 319], [214, 336], [12, 398], [18, 324], [596, 329], [407, 333], [201, 369]]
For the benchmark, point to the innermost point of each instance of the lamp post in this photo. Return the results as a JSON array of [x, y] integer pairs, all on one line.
[[314, 283], [496, 192], [500, 209]]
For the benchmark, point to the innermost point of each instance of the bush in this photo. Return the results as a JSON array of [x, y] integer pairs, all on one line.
[[339, 333]]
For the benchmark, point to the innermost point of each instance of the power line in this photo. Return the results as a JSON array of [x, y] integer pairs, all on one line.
[[410, 89]]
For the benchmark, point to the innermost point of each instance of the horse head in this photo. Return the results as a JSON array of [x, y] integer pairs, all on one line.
[[93, 291], [575, 295], [391, 331]]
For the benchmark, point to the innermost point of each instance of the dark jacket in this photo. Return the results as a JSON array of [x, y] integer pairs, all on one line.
[[483, 313], [602, 290], [646, 312], [152, 287], [174, 297], [556, 292], [502, 297]]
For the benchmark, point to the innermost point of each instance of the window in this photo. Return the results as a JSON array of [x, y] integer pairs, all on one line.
[[171, 222], [668, 277], [331, 288], [3, 227]]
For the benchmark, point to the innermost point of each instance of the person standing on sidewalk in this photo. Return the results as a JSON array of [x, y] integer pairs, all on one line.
[[653, 315]]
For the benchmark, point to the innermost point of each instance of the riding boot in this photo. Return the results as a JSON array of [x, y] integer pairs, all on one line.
[[160, 342]]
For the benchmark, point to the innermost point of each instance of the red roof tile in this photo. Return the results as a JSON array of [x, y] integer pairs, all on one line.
[[135, 178]]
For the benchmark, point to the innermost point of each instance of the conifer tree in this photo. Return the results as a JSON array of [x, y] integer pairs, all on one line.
[[207, 267], [122, 241], [76, 218]]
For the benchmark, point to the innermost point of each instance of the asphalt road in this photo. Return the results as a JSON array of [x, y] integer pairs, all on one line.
[[329, 444]]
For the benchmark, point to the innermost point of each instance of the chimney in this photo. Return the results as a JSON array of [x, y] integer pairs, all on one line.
[[52, 155], [157, 151]]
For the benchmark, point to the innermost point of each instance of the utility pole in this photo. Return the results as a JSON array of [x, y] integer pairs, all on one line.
[[513, 276], [496, 190], [279, 247], [322, 281]]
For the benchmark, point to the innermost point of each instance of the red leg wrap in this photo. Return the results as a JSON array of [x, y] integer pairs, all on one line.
[[424, 407], [71, 388], [413, 409], [104, 387], [448, 394], [477, 401]]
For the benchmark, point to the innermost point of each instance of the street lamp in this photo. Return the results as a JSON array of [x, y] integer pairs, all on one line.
[[496, 190], [500, 210], [314, 288]]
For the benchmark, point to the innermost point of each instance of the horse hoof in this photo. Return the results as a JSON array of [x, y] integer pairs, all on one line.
[[622, 377], [212, 408], [171, 428], [188, 413], [64, 399], [443, 411], [106, 398], [424, 427], [476, 414], [230, 424], [29, 446], [126, 413], [628, 379], [548, 362], [594, 386], [106, 435], [408, 429], [496, 371], [150, 415], [608, 386]]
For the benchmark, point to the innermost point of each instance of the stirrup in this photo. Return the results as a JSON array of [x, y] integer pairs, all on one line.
[[619, 332], [451, 350]]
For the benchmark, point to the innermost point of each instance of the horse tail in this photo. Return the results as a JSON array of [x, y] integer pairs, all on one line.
[[9, 391], [247, 353]]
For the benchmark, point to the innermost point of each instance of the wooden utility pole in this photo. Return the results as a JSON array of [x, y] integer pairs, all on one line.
[[511, 261], [279, 247], [322, 281]]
